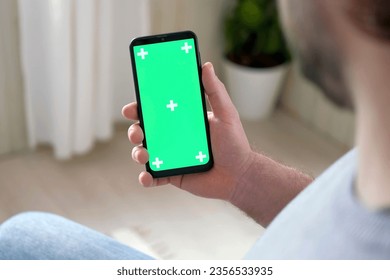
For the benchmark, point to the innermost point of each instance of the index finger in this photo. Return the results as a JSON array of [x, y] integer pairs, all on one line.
[[129, 111]]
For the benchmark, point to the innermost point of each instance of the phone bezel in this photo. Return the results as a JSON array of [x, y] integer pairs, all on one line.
[[160, 38]]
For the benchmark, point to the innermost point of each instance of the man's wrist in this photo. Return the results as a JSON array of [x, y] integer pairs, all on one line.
[[266, 187], [242, 179]]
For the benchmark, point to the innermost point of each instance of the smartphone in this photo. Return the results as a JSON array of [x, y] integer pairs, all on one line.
[[171, 103]]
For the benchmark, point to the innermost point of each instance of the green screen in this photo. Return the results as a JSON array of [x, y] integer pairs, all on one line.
[[172, 109]]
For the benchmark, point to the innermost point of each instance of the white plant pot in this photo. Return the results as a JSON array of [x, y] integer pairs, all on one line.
[[254, 91]]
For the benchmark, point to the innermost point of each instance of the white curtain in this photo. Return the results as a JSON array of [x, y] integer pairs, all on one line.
[[12, 117], [68, 50]]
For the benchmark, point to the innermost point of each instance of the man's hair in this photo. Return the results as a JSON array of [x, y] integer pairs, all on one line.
[[371, 16]]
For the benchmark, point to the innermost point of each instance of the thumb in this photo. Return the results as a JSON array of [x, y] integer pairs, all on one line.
[[219, 99]]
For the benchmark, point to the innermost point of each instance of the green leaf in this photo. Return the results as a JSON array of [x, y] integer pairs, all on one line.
[[250, 14]]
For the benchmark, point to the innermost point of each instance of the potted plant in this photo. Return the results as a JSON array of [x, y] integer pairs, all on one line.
[[256, 56]]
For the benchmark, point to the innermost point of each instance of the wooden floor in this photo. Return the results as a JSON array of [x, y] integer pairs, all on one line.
[[101, 190]]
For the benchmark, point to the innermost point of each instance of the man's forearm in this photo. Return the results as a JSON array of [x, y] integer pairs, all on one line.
[[266, 188]]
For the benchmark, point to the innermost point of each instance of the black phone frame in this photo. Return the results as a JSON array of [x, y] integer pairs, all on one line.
[[160, 38]]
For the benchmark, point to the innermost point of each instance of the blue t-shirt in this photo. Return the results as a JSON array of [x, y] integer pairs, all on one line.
[[326, 221]]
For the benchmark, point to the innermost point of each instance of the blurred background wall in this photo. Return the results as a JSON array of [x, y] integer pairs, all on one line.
[[65, 70], [305, 102]]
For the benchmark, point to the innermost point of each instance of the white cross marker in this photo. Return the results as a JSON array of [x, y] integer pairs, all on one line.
[[172, 105], [157, 162], [200, 157], [186, 47], [142, 53]]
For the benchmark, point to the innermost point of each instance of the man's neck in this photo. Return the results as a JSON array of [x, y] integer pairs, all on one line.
[[373, 141]]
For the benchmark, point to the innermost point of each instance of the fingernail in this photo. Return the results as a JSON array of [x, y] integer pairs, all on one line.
[[132, 153], [213, 71], [211, 67], [129, 129], [136, 154]]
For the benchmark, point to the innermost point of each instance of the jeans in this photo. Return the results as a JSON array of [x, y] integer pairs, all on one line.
[[35, 235]]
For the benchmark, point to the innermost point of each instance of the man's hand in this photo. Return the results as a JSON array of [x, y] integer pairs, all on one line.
[[256, 184], [231, 150]]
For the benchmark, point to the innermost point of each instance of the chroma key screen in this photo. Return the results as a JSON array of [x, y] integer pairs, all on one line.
[[172, 109]]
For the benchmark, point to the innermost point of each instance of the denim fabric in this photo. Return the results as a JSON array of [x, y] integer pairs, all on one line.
[[35, 235]]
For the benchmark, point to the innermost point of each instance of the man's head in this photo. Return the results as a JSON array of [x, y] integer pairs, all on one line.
[[325, 36]]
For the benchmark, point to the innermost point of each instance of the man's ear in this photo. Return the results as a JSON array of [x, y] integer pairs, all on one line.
[[370, 16]]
